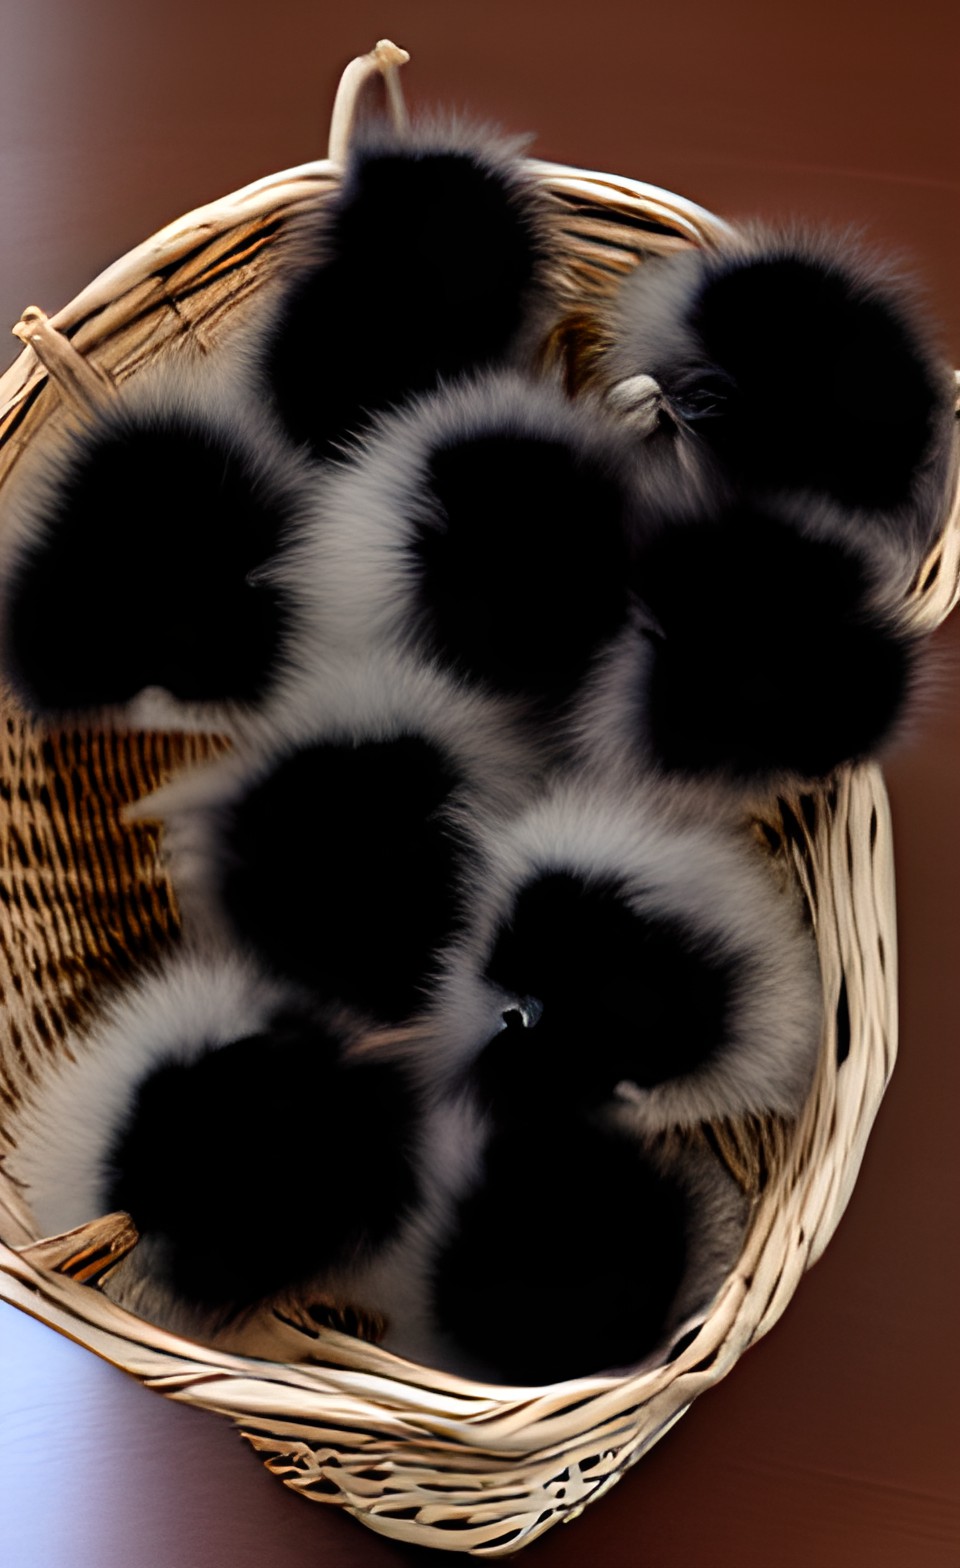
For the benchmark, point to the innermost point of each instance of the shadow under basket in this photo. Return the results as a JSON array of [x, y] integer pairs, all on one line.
[[417, 1455]]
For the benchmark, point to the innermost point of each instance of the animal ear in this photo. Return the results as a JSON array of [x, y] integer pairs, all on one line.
[[135, 563], [802, 362], [430, 261]]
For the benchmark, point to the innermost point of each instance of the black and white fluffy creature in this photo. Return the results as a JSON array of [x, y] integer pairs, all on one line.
[[134, 558], [342, 853], [631, 957], [486, 527], [794, 362], [431, 260], [567, 1245], [254, 1146], [774, 649], [579, 1249]]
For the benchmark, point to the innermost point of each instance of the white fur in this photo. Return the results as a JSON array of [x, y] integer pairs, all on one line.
[[607, 722], [373, 692], [371, 699], [171, 1015], [711, 878]]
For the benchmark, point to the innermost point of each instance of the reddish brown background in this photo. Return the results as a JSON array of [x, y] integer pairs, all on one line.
[[837, 1440]]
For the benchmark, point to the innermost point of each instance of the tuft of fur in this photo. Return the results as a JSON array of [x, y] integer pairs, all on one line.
[[665, 960], [207, 1104], [131, 559], [342, 688], [484, 527], [432, 259], [798, 361]]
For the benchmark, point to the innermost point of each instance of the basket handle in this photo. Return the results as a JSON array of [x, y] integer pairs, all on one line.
[[384, 60]]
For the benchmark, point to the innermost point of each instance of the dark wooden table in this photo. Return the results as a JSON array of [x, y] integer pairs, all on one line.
[[836, 1441]]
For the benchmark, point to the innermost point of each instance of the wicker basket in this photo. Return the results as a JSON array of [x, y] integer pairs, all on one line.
[[416, 1455]]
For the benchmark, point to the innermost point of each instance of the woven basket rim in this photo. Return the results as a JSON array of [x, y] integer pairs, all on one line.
[[297, 183]]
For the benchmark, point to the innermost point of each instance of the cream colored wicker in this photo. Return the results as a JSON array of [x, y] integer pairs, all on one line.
[[416, 1455]]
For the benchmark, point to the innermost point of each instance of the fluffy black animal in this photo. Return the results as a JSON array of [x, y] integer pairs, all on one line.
[[774, 650], [431, 260], [206, 1104], [487, 528], [342, 869], [798, 362], [617, 954], [252, 1118], [552, 1246], [777, 653], [618, 995], [578, 1249], [134, 560], [342, 851]]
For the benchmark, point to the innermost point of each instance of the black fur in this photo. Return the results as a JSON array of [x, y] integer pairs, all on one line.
[[566, 1257], [802, 365], [341, 870], [827, 391], [425, 266], [772, 659], [265, 1162], [522, 567], [625, 996], [138, 575]]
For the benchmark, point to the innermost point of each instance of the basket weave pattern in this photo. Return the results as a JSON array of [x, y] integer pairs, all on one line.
[[417, 1455]]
